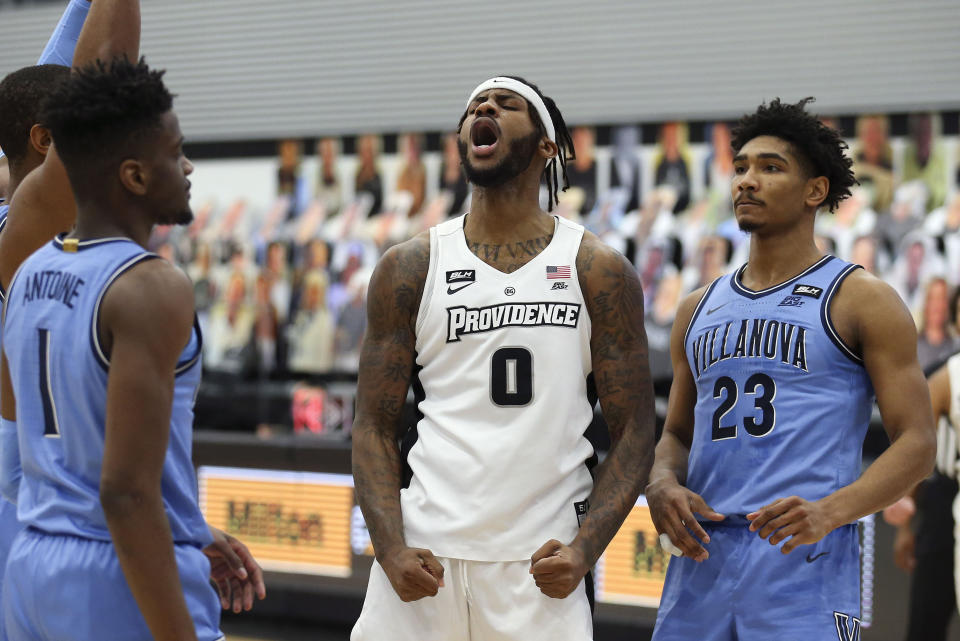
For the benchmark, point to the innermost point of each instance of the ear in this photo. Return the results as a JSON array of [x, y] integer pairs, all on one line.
[[133, 176], [40, 139], [548, 148], [817, 190]]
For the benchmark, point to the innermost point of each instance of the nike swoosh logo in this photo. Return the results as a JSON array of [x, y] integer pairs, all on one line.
[[451, 290], [811, 559], [710, 311]]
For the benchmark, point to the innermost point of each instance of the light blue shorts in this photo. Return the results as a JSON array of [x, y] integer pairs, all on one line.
[[9, 528], [64, 588], [749, 590]]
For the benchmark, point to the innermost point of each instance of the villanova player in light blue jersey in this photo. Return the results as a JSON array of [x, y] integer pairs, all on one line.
[[101, 354], [757, 476], [24, 145]]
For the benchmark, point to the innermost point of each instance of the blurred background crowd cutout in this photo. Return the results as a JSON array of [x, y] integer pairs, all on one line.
[[281, 286]]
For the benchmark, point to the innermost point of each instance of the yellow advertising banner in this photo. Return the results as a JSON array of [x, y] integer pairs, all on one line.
[[634, 566], [308, 523], [291, 521]]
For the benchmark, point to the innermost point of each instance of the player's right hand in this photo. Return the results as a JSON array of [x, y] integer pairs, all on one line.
[[904, 544], [672, 509], [413, 572]]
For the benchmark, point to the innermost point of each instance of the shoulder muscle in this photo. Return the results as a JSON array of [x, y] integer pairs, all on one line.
[[41, 208], [397, 284], [151, 304], [867, 311], [607, 279]]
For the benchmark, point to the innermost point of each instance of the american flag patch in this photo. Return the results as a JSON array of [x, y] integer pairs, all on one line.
[[558, 271]]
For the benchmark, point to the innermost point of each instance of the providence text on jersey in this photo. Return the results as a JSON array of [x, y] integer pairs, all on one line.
[[472, 320]]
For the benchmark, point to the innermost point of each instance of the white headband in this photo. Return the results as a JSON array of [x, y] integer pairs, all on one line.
[[524, 90]]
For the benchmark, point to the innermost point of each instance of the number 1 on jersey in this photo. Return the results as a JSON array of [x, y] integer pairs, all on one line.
[[511, 377], [51, 426]]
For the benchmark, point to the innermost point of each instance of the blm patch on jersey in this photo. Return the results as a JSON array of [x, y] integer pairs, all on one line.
[[475, 320], [461, 276], [807, 290]]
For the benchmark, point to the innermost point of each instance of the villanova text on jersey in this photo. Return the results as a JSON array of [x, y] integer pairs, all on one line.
[[783, 404], [755, 338]]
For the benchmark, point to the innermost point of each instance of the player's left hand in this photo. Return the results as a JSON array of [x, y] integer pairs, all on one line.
[[802, 521], [235, 572], [557, 569]]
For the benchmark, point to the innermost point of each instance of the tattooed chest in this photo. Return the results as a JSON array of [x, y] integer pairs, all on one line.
[[509, 257]]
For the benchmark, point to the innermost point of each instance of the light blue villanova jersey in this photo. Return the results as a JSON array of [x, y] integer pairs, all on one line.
[[783, 405], [9, 526], [4, 208], [59, 373]]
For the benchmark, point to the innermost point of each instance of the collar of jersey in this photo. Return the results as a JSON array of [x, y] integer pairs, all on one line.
[[93, 242], [743, 290]]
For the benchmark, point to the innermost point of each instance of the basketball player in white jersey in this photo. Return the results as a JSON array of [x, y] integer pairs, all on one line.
[[509, 322], [945, 396]]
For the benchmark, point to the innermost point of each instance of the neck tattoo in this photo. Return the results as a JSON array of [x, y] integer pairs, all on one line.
[[509, 257]]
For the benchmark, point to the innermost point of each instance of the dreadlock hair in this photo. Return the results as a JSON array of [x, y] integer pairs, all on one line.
[[565, 151], [22, 93], [819, 148], [103, 114]]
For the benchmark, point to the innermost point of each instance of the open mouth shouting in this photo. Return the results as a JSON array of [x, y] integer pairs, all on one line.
[[484, 135]]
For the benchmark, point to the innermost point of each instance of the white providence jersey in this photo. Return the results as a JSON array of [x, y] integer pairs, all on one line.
[[947, 445], [505, 394]]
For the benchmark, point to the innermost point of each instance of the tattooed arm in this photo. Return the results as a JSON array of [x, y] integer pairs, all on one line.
[[386, 365], [618, 344]]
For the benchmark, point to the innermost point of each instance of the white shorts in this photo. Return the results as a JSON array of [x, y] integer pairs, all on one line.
[[956, 547], [479, 602]]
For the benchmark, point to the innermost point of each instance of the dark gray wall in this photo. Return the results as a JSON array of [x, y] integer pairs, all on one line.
[[264, 69]]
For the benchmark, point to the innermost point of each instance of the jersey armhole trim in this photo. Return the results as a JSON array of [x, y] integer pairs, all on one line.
[[189, 362], [699, 308], [98, 352], [5, 294], [428, 284], [577, 242], [827, 321]]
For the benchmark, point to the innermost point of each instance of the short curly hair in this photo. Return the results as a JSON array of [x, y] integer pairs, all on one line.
[[818, 147], [22, 93], [104, 113]]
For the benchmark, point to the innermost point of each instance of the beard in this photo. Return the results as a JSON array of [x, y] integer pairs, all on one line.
[[180, 217], [513, 164], [747, 226], [185, 217]]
